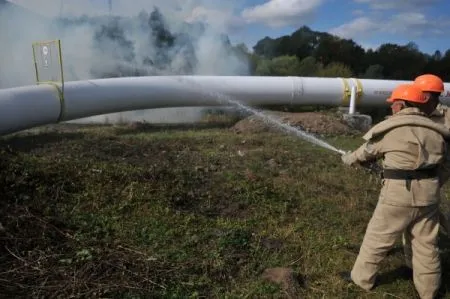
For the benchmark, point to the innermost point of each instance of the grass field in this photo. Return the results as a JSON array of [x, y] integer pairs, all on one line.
[[120, 212]]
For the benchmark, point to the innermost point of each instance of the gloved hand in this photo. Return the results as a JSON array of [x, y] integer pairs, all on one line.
[[348, 159], [372, 166]]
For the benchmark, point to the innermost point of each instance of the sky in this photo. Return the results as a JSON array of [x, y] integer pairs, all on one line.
[[370, 23]]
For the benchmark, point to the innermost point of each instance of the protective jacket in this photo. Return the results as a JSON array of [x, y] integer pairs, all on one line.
[[441, 115], [408, 140]]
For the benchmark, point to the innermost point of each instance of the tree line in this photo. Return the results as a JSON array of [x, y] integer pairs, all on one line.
[[311, 53]]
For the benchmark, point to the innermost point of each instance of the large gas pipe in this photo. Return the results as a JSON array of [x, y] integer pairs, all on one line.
[[30, 106]]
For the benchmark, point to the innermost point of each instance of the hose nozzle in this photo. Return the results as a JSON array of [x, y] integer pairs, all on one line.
[[342, 152]]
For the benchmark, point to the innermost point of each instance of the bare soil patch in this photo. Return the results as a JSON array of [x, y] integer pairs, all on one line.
[[321, 123], [286, 278]]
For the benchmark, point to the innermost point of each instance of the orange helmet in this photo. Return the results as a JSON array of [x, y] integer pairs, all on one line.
[[408, 93], [429, 82], [397, 91]]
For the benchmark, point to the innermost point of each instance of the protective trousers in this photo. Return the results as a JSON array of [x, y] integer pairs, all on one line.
[[406, 237], [385, 227]]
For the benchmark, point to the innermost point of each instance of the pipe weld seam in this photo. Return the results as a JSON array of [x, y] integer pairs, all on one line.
[[62, 102], [297, 90]]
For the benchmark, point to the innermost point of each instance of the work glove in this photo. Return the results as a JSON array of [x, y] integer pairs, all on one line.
[[349, 159], [372, 166]]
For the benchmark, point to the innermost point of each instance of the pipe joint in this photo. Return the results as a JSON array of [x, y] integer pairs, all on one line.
[[297, 90], [62, 102]]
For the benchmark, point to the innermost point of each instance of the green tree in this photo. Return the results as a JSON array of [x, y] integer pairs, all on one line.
[[265, 47], [264, 67], [400, 62], [334, 49], [335, 69], [437, 55], [308, 67], [374, 71], [285, 66], [303, 42]]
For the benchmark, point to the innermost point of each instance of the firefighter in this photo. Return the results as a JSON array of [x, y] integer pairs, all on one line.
[[432, 86], [412, 148]]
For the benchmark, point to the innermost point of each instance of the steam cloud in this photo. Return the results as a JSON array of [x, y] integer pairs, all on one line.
[[155, 39]]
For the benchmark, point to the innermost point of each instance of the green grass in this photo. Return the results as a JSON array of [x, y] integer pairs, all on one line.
[[115, 212]]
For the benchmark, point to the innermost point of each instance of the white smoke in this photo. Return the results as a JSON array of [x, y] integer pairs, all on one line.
[[23, 22]]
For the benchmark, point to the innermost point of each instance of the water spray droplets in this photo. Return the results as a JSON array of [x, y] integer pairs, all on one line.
[[223, 98]]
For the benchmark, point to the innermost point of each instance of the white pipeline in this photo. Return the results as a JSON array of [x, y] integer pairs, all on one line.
[[29, 106]]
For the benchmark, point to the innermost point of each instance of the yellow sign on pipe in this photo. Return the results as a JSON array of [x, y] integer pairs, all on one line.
[[47, 58]]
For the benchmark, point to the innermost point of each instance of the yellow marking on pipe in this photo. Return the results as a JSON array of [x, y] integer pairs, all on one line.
[[59, 85], [346, 93], [359, 91]]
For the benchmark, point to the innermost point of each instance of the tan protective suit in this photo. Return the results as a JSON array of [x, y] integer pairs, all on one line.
[[440, 116], [406, 141]]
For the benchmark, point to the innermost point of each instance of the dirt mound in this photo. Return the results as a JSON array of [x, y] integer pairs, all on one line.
[[314, 122], [286, 278]]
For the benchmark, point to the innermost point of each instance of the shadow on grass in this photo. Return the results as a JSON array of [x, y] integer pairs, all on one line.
[[402, 272], [28, 142], [148, 128], [444, 244], [355, 249]]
